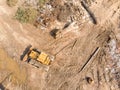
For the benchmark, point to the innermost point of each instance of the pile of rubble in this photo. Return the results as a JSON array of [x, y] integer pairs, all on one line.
[[62, 11], [113, 54]]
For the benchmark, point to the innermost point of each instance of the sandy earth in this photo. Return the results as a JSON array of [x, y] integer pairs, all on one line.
[[72, 48]]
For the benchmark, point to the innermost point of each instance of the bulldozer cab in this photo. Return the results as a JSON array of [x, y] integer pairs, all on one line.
[[33, 54]]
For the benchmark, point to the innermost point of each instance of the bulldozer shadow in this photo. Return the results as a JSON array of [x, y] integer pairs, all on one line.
[[27, 49]]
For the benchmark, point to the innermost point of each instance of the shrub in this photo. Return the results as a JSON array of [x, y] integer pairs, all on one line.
[[12, 2], [26, 15]]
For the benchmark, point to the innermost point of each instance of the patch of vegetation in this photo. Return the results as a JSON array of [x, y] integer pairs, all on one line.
[[11, 2], [26, 15], [42, 2]]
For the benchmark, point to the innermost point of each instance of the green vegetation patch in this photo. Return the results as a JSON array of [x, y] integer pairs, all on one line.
[[11, 2], [42, 2], [26, 15]]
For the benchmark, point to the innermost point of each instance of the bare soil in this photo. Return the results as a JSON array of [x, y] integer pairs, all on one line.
[[83, 49]]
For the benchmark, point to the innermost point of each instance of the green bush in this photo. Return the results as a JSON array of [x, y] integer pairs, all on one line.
[[26, 15], [12, 2]]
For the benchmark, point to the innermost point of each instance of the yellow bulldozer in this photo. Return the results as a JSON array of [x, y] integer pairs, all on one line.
[[36, 57]]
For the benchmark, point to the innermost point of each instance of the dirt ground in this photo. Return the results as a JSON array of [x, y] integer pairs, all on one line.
[[88, 47]]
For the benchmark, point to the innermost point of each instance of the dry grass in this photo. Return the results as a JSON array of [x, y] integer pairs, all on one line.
[[18, 75], [11, 2]]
